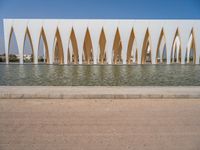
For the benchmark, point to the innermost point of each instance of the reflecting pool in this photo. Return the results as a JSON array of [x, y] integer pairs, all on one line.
[[100, 75]]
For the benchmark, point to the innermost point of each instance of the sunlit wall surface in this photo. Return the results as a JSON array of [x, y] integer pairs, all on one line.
[[69, 41]]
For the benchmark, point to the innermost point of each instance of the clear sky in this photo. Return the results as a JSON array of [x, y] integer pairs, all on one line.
[[114, 9]]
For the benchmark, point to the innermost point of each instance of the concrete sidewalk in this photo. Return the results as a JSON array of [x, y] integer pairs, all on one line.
[[98, 92]]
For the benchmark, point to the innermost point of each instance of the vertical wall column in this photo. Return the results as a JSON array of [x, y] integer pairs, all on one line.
[[110, 29], [95, 47], [95, 28], [188, 55], [154, 30], [20, 27], [169, 42], [180, 48], [7, 24], [70, 49], [197, 40], [169, 30], [184, 36], [65, 31], [125, 28], [45, 55], [140, 28], [50, 27], [35, 27], [197, 49], [162, 45], [188, 48], [80, 28]]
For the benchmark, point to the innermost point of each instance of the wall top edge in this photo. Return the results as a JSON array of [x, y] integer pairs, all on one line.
[[106, 19]]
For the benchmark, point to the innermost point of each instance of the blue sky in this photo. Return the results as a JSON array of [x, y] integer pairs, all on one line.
[[131, 9]]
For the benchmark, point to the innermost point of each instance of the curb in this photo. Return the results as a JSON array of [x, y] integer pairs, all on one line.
[[100, 96], [29, 92]]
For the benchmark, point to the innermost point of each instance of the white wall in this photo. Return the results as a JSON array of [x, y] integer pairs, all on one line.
[[139, 27]]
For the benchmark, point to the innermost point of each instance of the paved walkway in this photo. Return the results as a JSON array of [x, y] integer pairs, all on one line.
[[92, 124], [95, 92]]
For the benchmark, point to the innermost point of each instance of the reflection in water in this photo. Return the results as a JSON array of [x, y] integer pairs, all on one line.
[[105, 75]]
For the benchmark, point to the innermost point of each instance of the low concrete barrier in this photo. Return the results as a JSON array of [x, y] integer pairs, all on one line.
[[98, 92]]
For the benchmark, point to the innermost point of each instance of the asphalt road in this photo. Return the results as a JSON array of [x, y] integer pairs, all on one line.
[[99, 124]]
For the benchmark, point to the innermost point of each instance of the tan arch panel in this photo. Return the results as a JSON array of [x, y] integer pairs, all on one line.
[[10, 36], [88, 47], [74, 46], [58, 51], [130, 46], [161, 38], [146, 43], [9, 41], [136, 56], [30, 39], [102, 45], [192, 46], [120, 52], [11, 32], [43, 36], [174, 51], [117, 48]]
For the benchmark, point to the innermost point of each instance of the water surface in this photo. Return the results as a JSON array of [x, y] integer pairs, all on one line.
[[100, 75]]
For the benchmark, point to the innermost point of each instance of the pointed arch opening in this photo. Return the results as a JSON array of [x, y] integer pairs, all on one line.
[[102, 45], [132, 49], [161, 53], [176, 50], [13, 50], [58, 49], [88, 48], [43, 51], [146, 49], [72, 49], [28, 52], [190, 56], [117, 48]]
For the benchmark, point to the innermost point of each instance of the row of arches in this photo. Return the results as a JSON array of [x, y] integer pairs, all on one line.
[[88, 49]]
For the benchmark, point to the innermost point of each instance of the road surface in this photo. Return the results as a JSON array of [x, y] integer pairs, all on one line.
[[56, 124]]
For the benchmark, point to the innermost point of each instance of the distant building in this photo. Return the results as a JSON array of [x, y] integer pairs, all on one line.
[[27, 57], [2, 58]]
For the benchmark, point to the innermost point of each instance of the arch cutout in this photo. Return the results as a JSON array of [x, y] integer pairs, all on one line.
[[146, 49], [161, 53], [117, 48], [72, 49], [132, 49], [58, 49], [28, 56], [190, 56], [43, 42], [102, 46], [13, 50], [88, 48], [176, 49]]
